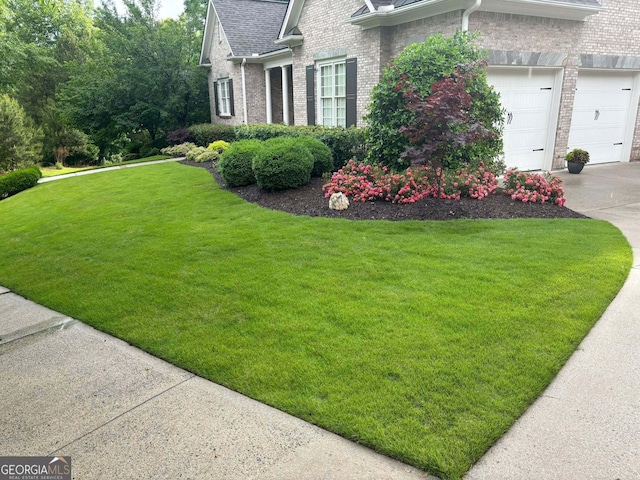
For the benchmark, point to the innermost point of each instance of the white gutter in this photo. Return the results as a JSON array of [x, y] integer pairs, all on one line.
[[244, 92], [467, 13]]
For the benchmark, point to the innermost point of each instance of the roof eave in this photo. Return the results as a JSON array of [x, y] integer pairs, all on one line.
[[290, 40], [260, 58], [430, 8]]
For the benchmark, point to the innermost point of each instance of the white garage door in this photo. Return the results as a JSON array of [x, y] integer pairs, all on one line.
[[527, 96], [601, 114]]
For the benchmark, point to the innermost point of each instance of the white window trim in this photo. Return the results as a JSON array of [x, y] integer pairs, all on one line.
[[224, 103], [319, 97]]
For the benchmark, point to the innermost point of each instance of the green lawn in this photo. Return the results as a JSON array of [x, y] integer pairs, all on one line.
[[422, 340], [54, 172]]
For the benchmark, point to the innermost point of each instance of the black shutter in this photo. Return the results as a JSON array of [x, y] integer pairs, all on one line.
[[215, 98], [352, 91], [311, 95], [232, 109]]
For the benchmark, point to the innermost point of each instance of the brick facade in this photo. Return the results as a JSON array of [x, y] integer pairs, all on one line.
[[608, 40]]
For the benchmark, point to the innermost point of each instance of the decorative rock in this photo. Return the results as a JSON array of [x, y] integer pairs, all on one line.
[[338, 201]]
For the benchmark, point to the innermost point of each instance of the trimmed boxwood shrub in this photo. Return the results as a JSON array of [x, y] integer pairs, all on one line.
[[322, 160], [19, 180], [206, 133], [344, 143], [236, 162], [282, 163]]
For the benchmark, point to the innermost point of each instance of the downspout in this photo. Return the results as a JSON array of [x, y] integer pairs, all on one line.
[[467, 13], [244, 92], [370, 6]]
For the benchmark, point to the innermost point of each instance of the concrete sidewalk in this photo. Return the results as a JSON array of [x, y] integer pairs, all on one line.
[[106, 169], [119, 412], [586, 425]]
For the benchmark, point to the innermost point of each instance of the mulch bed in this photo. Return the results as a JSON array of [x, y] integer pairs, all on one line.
[[309, 200]]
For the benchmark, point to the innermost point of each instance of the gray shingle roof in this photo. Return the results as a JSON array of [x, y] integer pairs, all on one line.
[[251, 26], [401, 3]]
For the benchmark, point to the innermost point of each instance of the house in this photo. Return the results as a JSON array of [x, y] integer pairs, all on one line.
[[568, 71]]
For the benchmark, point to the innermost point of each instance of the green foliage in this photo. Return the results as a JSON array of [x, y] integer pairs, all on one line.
[[74, 148], [282, 163], [179, 150], [194, 153], [20, 141], [207, 156], [142, 76], [344, 143], [422, 65], [18, 180], [236, 162], [322, 160], [206, 133], [219, 146], [578, 155]]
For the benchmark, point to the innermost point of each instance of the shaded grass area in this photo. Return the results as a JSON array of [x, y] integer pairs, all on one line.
[[422, 340], [54, 172]]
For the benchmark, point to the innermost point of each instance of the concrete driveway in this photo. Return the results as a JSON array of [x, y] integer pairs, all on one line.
[[68, 389]]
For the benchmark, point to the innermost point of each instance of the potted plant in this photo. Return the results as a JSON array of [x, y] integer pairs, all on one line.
[[576, 160]]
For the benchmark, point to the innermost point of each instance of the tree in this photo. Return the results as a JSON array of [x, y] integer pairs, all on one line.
[[422, 65], [144, 78], [20, 141], [442, 123], [37, 39]]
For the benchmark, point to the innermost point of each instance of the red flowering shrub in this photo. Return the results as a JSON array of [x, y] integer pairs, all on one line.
[[534, 187], [373, 182]]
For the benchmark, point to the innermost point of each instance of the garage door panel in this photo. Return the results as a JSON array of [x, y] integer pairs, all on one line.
[[600, 116], [527, 97]]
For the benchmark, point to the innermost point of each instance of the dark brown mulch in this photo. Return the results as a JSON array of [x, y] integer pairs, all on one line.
[[309, 200]]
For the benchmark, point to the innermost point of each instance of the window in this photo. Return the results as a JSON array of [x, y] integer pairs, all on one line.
[[224, 97], [332, 94]]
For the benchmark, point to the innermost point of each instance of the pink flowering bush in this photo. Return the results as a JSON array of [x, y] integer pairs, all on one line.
[[534, 187], [374, 182]]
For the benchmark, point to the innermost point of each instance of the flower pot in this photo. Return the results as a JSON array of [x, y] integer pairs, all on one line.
[[575, 167]]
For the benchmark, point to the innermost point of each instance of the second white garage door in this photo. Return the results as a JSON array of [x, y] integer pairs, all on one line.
[[601, 115], [530, 99]]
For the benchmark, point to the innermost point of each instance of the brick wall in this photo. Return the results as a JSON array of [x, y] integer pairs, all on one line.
[[325, 30]]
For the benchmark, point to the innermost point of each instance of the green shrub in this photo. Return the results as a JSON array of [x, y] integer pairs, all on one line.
[[236, 162], [422, 65], [194, 152], [322, 160], [219, 146], [577, 155], [59, 166], [206, 133], [344, 143], [18, 180], [207, 156], [282, 163], [179, 150], [149, 151]]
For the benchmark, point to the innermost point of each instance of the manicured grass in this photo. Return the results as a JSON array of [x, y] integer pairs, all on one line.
[[422, 340], [54, 172]]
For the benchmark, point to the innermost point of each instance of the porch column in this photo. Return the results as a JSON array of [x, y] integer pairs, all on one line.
[[267, 82], [285, 95]]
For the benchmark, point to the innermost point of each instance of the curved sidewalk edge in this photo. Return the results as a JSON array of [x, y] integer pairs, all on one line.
[[586, 425], [106, 169]]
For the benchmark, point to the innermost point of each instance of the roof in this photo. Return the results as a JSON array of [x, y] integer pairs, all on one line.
[[401, 3], [251, 26]]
